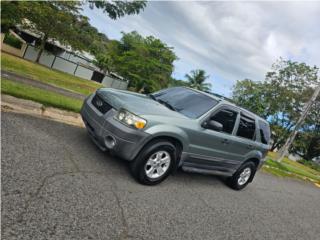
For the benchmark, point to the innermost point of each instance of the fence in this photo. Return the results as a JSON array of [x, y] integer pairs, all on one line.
[[66, 62], [73, 65]]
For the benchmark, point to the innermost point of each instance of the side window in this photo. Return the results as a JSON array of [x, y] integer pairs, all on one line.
[[264, 132], [247, 127], [227, 118]]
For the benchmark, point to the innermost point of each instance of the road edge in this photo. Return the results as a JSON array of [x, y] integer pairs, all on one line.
[[22, 106]]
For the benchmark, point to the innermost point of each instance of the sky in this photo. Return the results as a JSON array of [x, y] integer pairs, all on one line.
[[230, 40]]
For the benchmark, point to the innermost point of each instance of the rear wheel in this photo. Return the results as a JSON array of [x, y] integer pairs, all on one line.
[[154, 163], [243, 176]]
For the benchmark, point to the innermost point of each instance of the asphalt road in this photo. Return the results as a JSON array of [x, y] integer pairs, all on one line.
[[57, 185]]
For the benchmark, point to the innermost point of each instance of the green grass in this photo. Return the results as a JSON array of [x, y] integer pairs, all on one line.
[[290, 168], [43, 74], [47, 98]]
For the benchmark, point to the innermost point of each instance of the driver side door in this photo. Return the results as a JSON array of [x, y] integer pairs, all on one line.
[[212, 149]]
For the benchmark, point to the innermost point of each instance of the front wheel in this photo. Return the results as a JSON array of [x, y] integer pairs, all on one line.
[[243, 176], [154, 163]]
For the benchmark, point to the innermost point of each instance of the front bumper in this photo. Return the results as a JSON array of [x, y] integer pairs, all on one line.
[[109, 134]]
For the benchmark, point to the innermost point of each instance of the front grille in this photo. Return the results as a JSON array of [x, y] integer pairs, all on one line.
[[100, 104]]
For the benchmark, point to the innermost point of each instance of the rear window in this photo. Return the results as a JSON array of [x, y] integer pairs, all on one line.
[[264, 132], [247, 127]]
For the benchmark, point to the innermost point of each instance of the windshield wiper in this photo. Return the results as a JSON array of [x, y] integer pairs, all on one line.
[[168, 105], [152, 97]]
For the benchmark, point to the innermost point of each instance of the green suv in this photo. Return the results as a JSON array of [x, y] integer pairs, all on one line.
[[177, 127]]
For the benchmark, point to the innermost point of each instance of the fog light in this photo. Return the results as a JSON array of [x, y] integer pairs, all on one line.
[[110, 142]]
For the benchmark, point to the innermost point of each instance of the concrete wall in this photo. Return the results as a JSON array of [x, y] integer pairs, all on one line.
[[83, 72], [46, 59], [12, 50], [68, 66], [64, 65], [114, 83]]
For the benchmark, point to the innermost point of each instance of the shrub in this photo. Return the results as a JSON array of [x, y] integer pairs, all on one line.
[[12, 41]]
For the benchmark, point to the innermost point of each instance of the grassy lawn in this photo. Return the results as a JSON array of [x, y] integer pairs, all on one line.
[[47, 98], [289, 168], [40, 73]]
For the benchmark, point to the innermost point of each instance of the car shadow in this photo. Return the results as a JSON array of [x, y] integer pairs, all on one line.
[[110, 161]]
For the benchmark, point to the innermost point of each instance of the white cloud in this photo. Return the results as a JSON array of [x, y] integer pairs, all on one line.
[[230, 40]]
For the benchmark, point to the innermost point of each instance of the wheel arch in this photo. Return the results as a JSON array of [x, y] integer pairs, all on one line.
[[256, 162], [173, 140]]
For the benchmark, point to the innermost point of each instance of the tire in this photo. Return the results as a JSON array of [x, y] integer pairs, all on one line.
[[240, 178], [147, 165]]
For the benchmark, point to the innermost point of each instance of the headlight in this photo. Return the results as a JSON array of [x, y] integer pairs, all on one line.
[[130, 119]]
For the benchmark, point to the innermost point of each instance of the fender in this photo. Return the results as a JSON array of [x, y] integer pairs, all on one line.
[[164, 130]]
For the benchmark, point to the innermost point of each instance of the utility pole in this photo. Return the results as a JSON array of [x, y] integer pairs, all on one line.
[[285, 148]]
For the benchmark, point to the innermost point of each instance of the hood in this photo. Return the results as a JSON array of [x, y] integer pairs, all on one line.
[[136, 103]]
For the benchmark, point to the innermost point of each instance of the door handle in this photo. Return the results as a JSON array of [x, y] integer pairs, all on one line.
[[225, 141], [249, 146]]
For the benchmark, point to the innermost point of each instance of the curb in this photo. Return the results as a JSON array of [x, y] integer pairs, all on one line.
[[18, 105]]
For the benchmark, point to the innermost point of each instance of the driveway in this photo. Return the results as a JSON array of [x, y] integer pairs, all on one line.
[[57, 185]]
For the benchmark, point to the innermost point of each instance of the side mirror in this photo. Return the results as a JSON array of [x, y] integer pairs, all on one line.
[[213, 125]]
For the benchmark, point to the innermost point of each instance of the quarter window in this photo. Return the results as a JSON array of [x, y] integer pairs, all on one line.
[[227, 118], [264, 132], [247, 127]]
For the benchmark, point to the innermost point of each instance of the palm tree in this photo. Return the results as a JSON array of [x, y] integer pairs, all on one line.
[[197, 79]]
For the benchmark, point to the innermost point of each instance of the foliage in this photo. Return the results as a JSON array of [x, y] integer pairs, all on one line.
[[310, 164], [61, 21], [281, 97], [12, 41], [289, 168], [196, 79], [10, 15], [43, 74], [45, 97], [177, 83], [117, 9], [145, 61], [104, 62], [92, 40], [52, 20]]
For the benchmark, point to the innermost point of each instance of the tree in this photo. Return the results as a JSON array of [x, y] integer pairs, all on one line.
[[61, 21], [280, 98], [197, 80], [117, 9], [104, 62], [52, 20], [307, 143], [177, 83], [10, 15], [146, 62]]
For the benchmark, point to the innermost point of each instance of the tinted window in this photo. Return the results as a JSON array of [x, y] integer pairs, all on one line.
[[264, 132], [227, 118], [247, 127], [190, 103]]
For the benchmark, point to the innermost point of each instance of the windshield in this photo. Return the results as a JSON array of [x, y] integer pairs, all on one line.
[[190, 103]]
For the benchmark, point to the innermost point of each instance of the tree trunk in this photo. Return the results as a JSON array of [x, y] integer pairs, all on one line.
[[41, 48]]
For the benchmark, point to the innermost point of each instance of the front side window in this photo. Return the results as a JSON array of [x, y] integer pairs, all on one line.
[[188, 102], [247, 127], [264, 132], [227, 118]]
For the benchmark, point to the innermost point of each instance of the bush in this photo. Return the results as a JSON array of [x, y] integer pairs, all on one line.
[[12, 41]]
